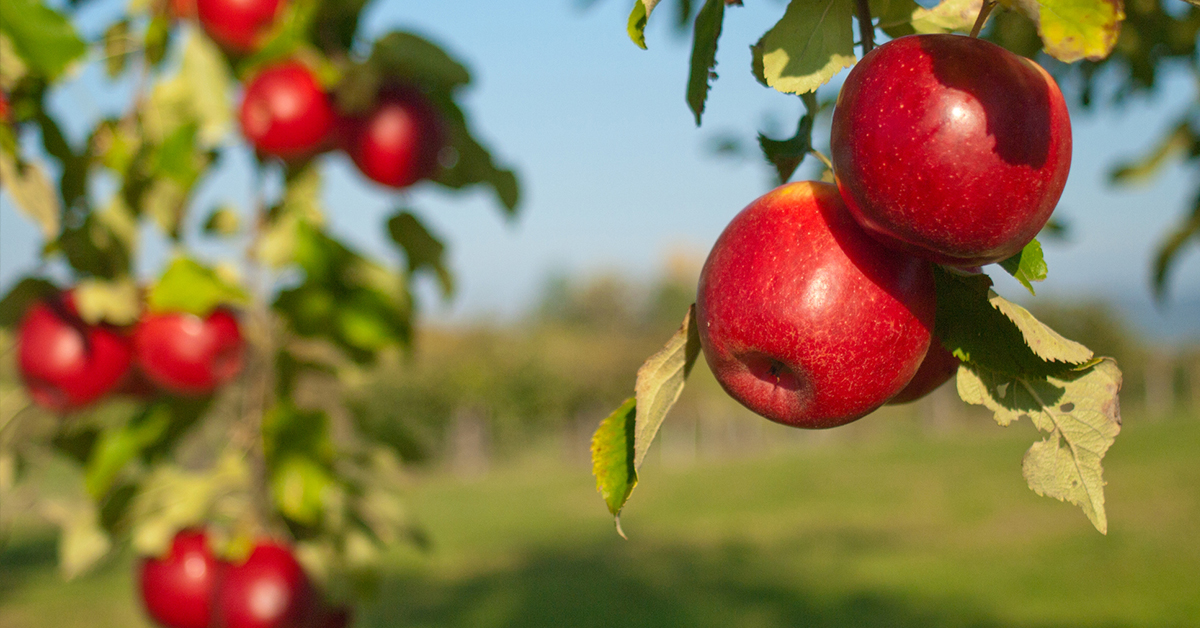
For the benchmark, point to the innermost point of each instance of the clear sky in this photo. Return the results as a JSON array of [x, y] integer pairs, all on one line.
[[615, 174]]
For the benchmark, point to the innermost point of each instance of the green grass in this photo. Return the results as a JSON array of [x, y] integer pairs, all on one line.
[[896, 531]]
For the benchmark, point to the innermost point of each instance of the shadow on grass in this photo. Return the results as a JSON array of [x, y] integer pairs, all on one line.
[[612, 586]]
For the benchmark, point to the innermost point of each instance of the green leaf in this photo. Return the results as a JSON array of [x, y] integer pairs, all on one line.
[[118, 446], [83, 541], [33, 193], [172, 499], [637, 21], [1188, 231], [989, 331], [117, 48], [413, 60], [1080, 412], [704, 54], [21, 297], [612, 458], [1074, 29], [197, 94], [1177, 143], [808, 46], [103, 244], [422, 250], [660, 381], [894, 16], [787, 155], [299, 454], [12, 67], [188, 286], [118, 302], [1027, 266], [947, 17], [43, 37], [158, 37], [472, 163], [223, 221]]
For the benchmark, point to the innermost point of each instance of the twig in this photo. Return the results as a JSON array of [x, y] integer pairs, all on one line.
[[984, 11], [865, 28]]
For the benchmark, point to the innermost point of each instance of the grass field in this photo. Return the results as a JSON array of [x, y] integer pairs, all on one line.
[[899, 531]]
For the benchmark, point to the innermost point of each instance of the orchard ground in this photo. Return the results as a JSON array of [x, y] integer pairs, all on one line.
[[878, 523]]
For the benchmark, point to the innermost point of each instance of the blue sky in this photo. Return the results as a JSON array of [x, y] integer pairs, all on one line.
[[616, 175]]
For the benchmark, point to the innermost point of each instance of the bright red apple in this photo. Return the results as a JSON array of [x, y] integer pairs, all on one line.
[[936, 369], [238, 25], [177, 589], [397, 143], [805, 319], [285, 112], [186, 354], [269, 590], [950, 148], [66, 363]]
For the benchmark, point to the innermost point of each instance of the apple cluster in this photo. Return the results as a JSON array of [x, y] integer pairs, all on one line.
[[68, 364], [287, 113], [816, 305], [191, 587]]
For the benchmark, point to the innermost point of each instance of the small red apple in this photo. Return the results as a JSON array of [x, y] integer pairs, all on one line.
[[397, 143], [805, 319], [238, 25], [186, 354], [936, 369], [3, 108], [285, 112], [269, 590], [66, 363], [950, 148], [177, 589]]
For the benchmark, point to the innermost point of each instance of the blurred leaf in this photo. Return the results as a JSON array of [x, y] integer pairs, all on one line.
[[895, 16], [422, 249], [82, 543], [158, 36], [808, 46], [787, 155], [1080, 411], [33, 193], [117, 48], [1171, 246], [472, 164], [660, 381], [637, 21], [165, 201], [43, 37], [946, 17], [172, 499], [12, 67], [188, 286], [1027, 266], [1074, 29], [289, 32], [118, 446], [612, 458], [298, 486], [102, 246], [704, 54], [1175, 144], [21, 297], [197, 94], [118, 302], [301, 198], [223, 221], [411, 60], [299, 453]]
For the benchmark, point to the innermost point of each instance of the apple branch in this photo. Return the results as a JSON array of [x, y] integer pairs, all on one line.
[[865, 28], [984, 11]]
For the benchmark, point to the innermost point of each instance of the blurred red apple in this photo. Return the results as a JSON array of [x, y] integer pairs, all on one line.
[[66, 363], [186, 354], [805, 319], [177, 589], [950, 148], [238, 25], [269, 590], [285, 112], [397, 143]]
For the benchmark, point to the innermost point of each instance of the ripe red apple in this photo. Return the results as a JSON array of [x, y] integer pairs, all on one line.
[[3, 108], [285, 112], [269, 590], [936, 369], [238, 25], [177, 589], [397, 143], [805, 319], [950, 148], [186, 354], [66, 363]]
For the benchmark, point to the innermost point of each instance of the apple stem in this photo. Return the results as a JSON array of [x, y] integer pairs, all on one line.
[[984, 11], [865, 28], [825, 160]]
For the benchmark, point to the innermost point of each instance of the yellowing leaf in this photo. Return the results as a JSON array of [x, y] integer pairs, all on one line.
[[612, 457], [637, 21], [811, 43], [1046, 343], [33, 193], [660, 381], [118, 302], [1074, 29], [948, 16]]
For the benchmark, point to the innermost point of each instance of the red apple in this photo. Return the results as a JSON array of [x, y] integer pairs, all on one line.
[[285, 112], [186, 354], [66, 363], [269, 590], [397, 143], [936, 369], [805, 319], [238, 25], [950, 148], [3, 108], [177, 589]]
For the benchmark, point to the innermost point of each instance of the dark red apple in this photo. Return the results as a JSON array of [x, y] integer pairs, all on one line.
[[183, 9], [397, 143], [238, 25], [3, 108], [177, 589], [950, 148], [269, 590], [186, 354], [805, 319], [936, 369], [285, 112], [66, 363]]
